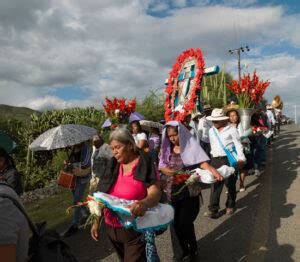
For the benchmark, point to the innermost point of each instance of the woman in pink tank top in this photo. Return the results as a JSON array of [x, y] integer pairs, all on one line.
[[136, 179]]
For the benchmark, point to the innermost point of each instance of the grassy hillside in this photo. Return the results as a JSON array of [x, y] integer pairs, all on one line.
[[13, 112]]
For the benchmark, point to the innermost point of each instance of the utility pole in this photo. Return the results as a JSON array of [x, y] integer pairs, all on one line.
[[238, 51], [296, 114]]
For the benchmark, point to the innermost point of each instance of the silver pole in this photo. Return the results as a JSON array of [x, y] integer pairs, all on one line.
[[296, 114]]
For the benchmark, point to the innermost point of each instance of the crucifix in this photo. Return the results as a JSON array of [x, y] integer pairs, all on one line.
[[182, 84]]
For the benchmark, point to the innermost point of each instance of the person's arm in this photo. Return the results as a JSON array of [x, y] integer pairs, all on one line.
[[239, 148], [142, 144], [139, 208], [8, 253], [215, 173], [167, 171], [247, 133], [94, 229]]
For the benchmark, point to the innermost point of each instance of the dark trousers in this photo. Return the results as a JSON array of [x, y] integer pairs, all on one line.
[[129, 244], [259, 150], [183, 231], [205, 147], [217, 187]]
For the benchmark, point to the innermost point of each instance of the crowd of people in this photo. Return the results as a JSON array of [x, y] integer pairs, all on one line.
[[139, 165], [198, 141]]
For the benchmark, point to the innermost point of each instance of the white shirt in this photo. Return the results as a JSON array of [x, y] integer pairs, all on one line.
[[229, 137], [271, 117], [138, 137], [241, 133], [203, 129]]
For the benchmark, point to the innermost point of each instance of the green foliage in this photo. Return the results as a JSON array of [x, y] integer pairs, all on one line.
[[58, 160], [44, 166], [152, 107], [41, 167], [214, 90]]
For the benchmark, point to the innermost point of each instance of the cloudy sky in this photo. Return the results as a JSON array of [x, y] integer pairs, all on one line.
[[63, 53]]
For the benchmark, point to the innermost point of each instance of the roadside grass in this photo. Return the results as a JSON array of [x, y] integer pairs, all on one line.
[[51, 209]]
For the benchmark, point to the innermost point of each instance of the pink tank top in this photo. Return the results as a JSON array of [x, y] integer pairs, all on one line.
[[125, 187]]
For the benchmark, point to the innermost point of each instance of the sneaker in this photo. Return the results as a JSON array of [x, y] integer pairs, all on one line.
[[251, 171], [258, 172], [242, 189], [230, 211], [71, 231], [211, 214]]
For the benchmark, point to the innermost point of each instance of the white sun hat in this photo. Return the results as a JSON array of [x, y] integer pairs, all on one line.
[[217, 114]]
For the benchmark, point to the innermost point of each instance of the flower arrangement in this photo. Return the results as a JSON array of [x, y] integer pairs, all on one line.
[[118, 111], [184, 178], [257, 129], [180, 178], [250, 91], [95, 207], [172, 86]]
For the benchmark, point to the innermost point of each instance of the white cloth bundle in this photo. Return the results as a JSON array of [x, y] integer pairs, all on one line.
[[207, 177], [155, 218]]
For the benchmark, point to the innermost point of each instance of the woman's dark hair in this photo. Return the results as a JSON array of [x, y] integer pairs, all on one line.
[[7, 158], [175, 128], [237, 113], [138, 125]]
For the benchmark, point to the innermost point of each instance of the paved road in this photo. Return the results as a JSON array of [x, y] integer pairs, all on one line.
[[265, 226]]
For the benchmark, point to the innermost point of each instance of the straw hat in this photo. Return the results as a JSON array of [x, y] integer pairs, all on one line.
[[232, 106], [207, 107], [217, 114], [195, 114]]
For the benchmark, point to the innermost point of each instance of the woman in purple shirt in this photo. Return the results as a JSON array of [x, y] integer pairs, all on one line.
[[180, 151]]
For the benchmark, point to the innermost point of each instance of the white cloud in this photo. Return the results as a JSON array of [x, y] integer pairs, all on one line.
[[116, 48]]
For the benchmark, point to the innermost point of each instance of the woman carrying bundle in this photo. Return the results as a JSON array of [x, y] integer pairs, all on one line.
[[180, 151], [132, 176]]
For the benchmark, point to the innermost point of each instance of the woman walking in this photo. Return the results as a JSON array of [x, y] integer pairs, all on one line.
[[234, 120], [132, 176], [180, 151]]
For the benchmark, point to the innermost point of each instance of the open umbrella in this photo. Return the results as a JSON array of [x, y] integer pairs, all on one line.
[[135, 116], [147, 124], [62, 136], [107, 123], [7, 142]]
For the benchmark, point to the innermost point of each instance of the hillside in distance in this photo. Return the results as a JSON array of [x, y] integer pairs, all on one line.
[[13, 112]]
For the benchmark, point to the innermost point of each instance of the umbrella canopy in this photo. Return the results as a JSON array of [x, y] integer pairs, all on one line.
[[107, 123], [147, 124], [7, 142], [135, 116], [62, 136]]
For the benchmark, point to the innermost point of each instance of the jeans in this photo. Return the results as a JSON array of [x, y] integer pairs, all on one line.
[[217, 187], [78, 194], [259, 150]]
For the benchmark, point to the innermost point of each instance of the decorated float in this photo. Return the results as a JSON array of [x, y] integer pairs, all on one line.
[[183, 87]]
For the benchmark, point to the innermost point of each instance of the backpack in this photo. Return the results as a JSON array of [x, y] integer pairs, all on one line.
[[45, 245]]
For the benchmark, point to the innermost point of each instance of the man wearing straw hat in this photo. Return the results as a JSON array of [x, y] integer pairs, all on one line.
[[223, 135]]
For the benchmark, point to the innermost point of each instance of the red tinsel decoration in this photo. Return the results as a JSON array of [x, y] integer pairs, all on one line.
[[173, 75]]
